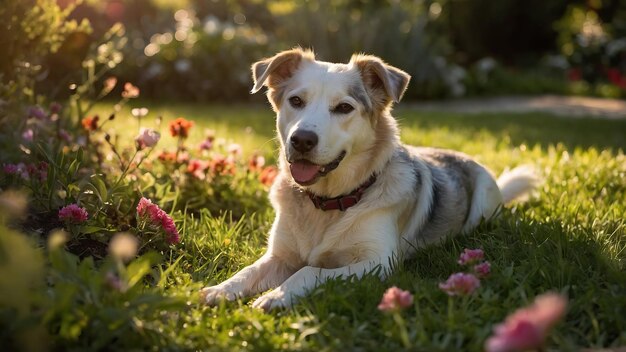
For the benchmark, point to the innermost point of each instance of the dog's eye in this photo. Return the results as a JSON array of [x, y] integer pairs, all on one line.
[[343, 108], [296, 102]]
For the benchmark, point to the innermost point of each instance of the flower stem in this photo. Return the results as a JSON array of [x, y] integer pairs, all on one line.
[[450, 310], [404, 335], [130, 162]]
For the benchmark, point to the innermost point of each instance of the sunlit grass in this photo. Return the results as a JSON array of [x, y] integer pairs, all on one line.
[[251, 127]]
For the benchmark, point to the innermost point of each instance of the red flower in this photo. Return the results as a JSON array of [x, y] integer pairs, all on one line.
[[268, 175], [615, 76], [90, 123], [73, 213], [180, 127], [574, 74], [256, 162], [197, 168], [222, 166], [167, 156]]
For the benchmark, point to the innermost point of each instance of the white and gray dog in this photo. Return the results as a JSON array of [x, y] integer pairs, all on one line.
[[350, 198]]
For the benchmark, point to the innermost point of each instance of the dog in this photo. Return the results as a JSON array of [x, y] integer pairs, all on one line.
[[350, 198]]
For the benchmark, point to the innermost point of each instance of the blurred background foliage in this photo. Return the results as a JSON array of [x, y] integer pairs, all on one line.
[[202, 50]]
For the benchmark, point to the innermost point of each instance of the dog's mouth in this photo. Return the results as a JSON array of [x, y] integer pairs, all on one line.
[[306, 173]]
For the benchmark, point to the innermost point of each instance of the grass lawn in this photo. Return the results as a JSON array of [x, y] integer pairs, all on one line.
[[570, 238]]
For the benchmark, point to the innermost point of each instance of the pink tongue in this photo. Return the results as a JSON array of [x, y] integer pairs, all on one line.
[[303, 171]]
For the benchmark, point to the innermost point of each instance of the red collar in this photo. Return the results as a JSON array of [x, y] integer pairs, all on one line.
[[342, 202]]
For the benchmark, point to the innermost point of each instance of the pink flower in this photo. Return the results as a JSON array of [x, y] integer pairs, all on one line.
[[10, 169], [483, 269], [171, 233], [147, 138], [460, 284], [109, 84], [55, 107], [470, 256], [22, 171], [395, 299], [26, 171], [37, 112], [41, 171], [73, 213], [528, 327], [159, 219], [28, 135], [64, 135], [114, 282], [130, 91], [234, 149], [147, 208], [207, 144]]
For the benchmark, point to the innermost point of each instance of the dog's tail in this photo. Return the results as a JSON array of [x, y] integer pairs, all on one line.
[[518, 183]]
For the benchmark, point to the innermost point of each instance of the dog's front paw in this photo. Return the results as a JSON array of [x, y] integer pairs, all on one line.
[[273, 300], [215, 294]]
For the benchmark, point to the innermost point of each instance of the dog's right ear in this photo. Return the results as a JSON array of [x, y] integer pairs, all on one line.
[[275, 70]]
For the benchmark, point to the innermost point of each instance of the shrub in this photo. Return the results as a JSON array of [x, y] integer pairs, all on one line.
[[595, 49], [84, 178], [404, 34], [200, 59], [32, 29]]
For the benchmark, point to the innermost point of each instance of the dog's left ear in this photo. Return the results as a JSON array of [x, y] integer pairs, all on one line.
[[275, 70], [380, 77]]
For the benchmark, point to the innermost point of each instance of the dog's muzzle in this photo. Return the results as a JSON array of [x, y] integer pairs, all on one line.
[[306, 173]]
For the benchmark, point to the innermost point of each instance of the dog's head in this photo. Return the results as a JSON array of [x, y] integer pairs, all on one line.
[[327, 113]]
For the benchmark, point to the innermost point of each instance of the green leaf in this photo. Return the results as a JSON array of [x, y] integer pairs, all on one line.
[[100, 187], [140, 268], [167, 272], [87, 229]]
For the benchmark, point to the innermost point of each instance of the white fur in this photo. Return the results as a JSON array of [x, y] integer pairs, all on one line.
[[517, 183]]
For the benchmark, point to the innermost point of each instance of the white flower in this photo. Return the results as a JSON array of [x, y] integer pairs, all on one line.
[[123, 246], [139, 112]]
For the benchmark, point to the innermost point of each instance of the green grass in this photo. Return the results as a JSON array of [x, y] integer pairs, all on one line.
[[252, 127], [570, 238]]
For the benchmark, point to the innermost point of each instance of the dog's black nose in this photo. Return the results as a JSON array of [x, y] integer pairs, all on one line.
[[303, 140]]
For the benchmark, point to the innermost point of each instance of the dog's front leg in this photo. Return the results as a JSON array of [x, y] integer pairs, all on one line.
[[377, 233], [309, 277], [267, 272]]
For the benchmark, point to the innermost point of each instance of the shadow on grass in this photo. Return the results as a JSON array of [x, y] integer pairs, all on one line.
[[528, 128], [528, 258]]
